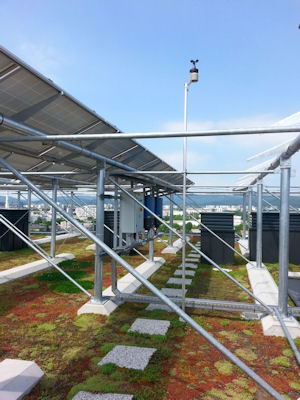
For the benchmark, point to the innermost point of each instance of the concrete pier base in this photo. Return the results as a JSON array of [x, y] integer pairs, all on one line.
[[126, 284]]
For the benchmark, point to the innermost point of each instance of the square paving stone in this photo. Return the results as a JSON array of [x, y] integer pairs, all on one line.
[[188, 272], [189, 265], [179, 281], [150, 326], [157, 306], [129, 357], [172, 292], [105, 396]]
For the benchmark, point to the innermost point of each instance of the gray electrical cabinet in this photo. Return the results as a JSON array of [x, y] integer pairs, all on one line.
[[131, 214]]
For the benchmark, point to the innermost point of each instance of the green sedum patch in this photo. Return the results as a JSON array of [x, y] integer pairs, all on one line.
[[224, 367]]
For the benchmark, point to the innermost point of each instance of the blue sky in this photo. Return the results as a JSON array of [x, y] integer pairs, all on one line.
[[129, 59]]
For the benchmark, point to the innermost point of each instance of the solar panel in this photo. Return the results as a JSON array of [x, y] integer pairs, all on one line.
[[28, 97]]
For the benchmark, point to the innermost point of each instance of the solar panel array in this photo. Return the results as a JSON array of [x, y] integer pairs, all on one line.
[[28, 97]]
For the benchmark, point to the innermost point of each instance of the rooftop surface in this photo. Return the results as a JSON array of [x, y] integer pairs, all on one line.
[[39, 322]]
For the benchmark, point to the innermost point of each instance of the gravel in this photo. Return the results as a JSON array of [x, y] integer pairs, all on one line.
[[105, 396], [150, 326], [129, 357]]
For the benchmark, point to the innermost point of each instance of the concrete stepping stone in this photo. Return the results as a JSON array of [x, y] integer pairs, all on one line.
[[188, 272], [158, 306], [105, 396], [172, 292], [17, 378], [189, 265], [132, 357], [150, 326], [194, 255], [189, 259], [179, 281]]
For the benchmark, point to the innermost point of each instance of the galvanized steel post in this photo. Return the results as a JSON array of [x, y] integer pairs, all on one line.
[[99, 233], [53, 219], [71, 210], [19, 199], [284, 227], [171, 220], [115, 237], [151, 244], [249, 202], [244, 216], [29, 208], [259, 225]]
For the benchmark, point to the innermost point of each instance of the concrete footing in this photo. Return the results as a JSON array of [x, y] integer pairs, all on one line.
[[177, 245], [126, 284], [265, 288], [65, 236], [17, 378], [244, 247], [22, 271]]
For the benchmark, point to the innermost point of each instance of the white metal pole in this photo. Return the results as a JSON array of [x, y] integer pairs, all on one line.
[[186, 88]]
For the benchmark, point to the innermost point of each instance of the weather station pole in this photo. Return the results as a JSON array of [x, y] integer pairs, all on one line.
[[193, 78]]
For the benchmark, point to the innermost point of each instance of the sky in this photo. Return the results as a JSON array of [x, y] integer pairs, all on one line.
[[129, 59]]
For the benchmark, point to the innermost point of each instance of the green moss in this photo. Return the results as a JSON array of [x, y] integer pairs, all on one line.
[[224, 323], [125, 328], [288, 352], [247, 332], [106, 348], [32, 286], [281, 360], [40, 315], [87, 321], [69, 287], [46, 327], [246, 354], [108, 368], [58, 277], [74, 264], [295, 385], [224, 367]]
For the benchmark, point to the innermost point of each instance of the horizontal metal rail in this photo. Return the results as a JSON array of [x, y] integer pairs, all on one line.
[[147, 135], [149, 285], [26, 240], [189, 172], [195, 248]]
